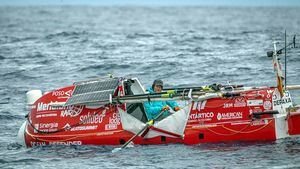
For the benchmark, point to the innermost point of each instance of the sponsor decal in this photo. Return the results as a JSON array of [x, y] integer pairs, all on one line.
[[282, 101], [66, 111], [281, 104], [114, 121], [195, 105], [46, 115], [204, 125], [255, 110], [208, 115], [73, 111], [267, 105], [84, 128], [254, 102], [239, 102], [259, 122], [230, 115], [61, 93], [47, 106], [203, 104], [67, 127], [46, 127], [92, 118], [66, 143], [34, 144], [111, 126], [228, 105], [269, 93], [199, 105]]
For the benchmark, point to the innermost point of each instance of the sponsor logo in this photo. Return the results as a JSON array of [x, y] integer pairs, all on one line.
[[92, 118], [267, 105], [48, 125], [67, 143], [61, 93], [45, 127], [228, 105], [84, 128], [199, 105], [67, 126], [73, 111], [46, 115], [34, 144], [67, 111], [111, 126], [47, 106], [269, 92], [208, 115], [254, 102], [114, 121], [255, 110], [230, 115], [239, 102], [260, 122], [282, 101]]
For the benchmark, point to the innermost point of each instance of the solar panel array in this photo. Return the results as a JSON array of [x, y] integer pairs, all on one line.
[[93, 92]]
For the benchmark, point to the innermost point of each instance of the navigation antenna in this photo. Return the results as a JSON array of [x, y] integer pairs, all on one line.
[[276, 64], [285, 62]]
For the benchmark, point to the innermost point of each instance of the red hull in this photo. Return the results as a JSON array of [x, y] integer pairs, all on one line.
[[210, 121]]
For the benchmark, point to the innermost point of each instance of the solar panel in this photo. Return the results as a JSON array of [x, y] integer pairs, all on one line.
[[93, 91]]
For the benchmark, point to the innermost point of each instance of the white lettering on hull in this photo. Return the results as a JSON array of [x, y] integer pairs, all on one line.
[[230, 115]]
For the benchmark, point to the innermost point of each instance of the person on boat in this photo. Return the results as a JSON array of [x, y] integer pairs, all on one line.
[[153, 108]]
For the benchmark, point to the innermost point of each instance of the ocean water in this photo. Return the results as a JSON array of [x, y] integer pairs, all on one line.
[[49, 47]]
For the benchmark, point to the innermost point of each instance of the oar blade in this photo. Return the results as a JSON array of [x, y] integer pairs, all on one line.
[[115, 150]]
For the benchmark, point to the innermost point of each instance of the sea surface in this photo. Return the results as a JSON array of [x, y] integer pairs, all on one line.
[[47, 47]]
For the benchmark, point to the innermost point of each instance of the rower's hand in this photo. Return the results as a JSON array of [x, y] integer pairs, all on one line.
[[165, 108], [176, 108]]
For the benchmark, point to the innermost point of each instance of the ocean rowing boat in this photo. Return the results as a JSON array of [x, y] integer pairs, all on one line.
[[110, 111]]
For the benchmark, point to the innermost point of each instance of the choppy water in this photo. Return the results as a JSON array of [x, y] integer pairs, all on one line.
[[49, 47]]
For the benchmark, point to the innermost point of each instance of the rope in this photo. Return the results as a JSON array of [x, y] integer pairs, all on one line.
[[72, 136], [240, 131]]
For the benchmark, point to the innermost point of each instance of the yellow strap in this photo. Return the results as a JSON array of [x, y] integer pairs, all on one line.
[[150, 122], [171, 92], [167, 95]]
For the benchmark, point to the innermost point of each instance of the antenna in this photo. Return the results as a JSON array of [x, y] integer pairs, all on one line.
[[285, 62]]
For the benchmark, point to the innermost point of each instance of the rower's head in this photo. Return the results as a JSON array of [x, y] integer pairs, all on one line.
[[157, 85]]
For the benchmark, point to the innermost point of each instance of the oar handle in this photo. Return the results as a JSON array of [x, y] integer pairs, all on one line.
[[293, 87]]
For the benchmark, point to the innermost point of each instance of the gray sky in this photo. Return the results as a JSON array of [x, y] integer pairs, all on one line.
[[156, 2]]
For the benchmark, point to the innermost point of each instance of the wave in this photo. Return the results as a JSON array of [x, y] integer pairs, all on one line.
[[65, 34], [105, 67], [4, 100], [139, 35], [17, 74], [36, 55], [12, 39], [2, 57], [5, 115]]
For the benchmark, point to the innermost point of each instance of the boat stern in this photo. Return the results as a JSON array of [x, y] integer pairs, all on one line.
[[294, 120]]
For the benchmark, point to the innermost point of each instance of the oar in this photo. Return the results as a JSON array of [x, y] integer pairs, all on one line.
[[148, 124], [293, 87]]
